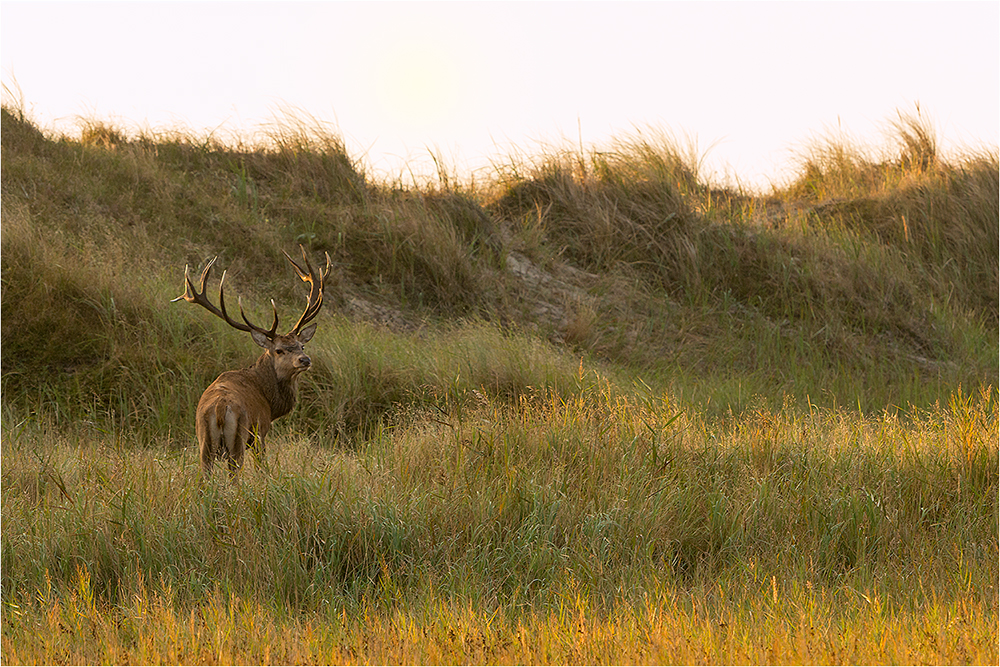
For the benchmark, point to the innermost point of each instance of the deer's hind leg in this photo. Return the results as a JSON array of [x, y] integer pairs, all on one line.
[[235, 437], [210, 431]]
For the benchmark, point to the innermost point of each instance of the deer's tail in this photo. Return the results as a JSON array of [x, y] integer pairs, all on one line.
[[222, 428]]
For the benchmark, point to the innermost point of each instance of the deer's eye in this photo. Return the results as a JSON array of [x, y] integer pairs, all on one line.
[[279, 351]]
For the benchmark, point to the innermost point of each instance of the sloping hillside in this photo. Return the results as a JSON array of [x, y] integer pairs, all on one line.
[[866, 283]]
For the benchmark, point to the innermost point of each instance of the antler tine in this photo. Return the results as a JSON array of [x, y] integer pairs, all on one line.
[[187, 284], [306, 276], [197, 296], [249, 326], [204, 273], [298, 269], [190, 294], [315, 301], [270, 333]]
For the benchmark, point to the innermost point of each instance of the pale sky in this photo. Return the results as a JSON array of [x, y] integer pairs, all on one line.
[[751, 83]]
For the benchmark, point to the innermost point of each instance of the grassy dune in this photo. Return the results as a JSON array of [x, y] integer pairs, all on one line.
[[593, 410]]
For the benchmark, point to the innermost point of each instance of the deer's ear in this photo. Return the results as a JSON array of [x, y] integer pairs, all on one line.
[[261, 339], [306, 334]]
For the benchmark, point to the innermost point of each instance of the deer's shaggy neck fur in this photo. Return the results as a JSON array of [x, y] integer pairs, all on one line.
[[279, 392]]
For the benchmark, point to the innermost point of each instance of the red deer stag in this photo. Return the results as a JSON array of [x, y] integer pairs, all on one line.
[[240, 405]]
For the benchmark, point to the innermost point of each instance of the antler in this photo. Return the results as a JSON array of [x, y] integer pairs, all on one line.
[[315, 301], [313, 305], [191, 295]]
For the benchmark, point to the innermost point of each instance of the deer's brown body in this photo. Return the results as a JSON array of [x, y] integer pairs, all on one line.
[[239, 406], [237, 409]]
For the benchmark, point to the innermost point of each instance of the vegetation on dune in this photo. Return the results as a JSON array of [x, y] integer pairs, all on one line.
[[593, 410], [881, 272]]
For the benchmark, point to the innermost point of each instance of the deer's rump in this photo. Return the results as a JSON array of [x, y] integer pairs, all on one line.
[[231, 413]]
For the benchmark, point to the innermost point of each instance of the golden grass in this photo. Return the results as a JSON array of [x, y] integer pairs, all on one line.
[[784, 625]]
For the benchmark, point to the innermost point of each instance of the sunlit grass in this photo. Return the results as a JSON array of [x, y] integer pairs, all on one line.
[[606, 527], [779, 626]]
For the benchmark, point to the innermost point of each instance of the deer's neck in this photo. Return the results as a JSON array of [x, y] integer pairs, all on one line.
[[280, 393]]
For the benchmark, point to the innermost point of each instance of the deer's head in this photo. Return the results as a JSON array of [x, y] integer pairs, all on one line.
[[286, 351]]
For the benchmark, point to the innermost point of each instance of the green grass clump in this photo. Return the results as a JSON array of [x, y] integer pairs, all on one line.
[[939, 217]]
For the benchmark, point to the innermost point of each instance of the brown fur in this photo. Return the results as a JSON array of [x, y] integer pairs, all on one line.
[[237, 409]]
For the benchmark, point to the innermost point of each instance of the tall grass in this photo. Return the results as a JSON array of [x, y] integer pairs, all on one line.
[[709, 279], [939, 217], [594, 510]]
